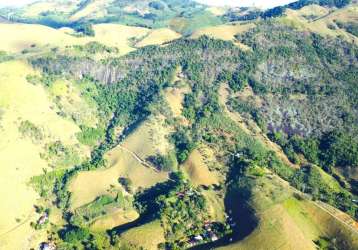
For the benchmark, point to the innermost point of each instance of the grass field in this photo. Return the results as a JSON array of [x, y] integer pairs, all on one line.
[[114, 219], [197, 170], [322, 20], [19, 37], [117, 35], [19, 156], [289, 222], [224, 32], [147, 140], [94, 9], [121, 164], [175, 97], [150, 138], [68, 98], [36, 8], [158, 36], [217, 11], [147, 236], [216, 207]]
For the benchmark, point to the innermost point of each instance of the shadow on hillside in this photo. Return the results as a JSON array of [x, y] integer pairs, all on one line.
[[241, 215]]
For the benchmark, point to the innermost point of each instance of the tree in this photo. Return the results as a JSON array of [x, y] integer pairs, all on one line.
[[75, 234], [85, 28]]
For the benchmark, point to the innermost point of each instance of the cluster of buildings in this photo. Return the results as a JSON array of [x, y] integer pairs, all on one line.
[[47, 246], [208, 235]]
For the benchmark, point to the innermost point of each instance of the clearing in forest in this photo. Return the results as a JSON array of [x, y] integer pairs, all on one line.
[[158, 36]]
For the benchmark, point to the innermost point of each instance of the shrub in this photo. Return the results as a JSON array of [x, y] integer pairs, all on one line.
[[28, 129], [90, 136], [74, 235], [85, 29], [126, 183], [167, 162]]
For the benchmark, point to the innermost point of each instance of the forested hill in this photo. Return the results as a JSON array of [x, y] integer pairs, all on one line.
[[173, 125], [303, 91]]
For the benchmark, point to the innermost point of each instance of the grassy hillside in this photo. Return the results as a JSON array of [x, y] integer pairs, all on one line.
[[29, 123], [287, 220], [159, 125], [20, 37]]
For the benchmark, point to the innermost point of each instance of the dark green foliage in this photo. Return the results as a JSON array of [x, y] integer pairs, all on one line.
[[180, 207], [167, 162], [339, 149], [335, 148], [90, 136], [126, 183], [44, 184], [325, 243], [47, 79], [95, 47], [183, 143], [307, 147], [85, 29], [309, 180], [74, 235], [237, 80], [350, 27], [258, 88]]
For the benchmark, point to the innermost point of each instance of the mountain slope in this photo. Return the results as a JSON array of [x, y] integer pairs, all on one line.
[[189, 133]]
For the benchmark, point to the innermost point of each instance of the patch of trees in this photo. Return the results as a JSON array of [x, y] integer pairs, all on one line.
[[335, 148], [90, 136], [95, 47], [28, 129], [309, 180], [126, 183], [237, 80], [75, 235], [181, 209], [183, 143], [168, 162], [156, 5], [85, 29], [350, 27]]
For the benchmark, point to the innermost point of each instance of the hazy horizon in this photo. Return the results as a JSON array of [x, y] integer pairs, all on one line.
[[239, 3]]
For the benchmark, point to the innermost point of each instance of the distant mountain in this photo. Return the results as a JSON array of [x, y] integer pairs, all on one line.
[[182, 16]]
